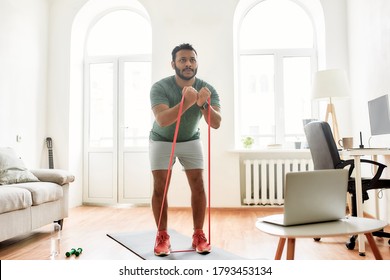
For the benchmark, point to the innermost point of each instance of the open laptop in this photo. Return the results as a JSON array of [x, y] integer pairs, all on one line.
[[312, 197]]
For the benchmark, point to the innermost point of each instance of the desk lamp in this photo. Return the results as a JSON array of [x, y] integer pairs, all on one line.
[[330, 84]]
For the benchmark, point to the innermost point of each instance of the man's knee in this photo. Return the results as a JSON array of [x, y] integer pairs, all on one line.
[[160, 180]]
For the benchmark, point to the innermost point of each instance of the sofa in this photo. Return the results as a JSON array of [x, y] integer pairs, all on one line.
[[30, 199]]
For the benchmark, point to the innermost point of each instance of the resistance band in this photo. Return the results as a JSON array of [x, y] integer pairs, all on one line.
[[169, 171]]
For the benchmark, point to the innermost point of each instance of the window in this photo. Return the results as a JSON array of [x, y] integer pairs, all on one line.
[[119, 33], [118, 69], [111, 50], [276, 59]]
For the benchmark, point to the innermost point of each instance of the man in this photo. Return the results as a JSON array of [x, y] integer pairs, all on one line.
[[165, 96]]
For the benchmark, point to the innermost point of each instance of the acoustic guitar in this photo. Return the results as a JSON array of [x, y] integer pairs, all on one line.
[[49, 144]]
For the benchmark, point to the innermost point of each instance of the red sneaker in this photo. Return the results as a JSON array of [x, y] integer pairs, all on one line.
[[163, 245], [199, 242]]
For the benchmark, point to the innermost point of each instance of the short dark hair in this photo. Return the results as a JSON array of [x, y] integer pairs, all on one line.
[[180, 47]]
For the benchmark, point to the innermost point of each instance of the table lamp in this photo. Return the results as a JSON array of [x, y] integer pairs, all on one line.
[[332, 83]]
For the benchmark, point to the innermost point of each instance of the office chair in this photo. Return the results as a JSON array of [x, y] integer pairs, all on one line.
[[325, 155]]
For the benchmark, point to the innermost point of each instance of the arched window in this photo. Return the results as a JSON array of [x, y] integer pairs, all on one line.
[[276, 56], [117, 115], [120, 33], [118, 73]]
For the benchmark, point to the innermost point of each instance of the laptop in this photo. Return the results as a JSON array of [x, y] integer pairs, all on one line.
[[313, 197]]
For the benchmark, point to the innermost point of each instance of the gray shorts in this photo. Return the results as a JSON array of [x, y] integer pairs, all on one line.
[[190, 154]]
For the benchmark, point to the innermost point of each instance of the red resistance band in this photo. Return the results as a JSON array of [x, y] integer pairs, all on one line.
[[170, 169]]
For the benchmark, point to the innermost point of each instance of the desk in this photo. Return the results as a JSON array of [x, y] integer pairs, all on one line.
[[357, 154], [347, 226]]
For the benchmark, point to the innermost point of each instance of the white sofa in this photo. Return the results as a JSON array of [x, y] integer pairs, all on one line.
[[30, 199]]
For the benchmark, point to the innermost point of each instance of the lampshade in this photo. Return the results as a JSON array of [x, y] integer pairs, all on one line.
[[330, 83]]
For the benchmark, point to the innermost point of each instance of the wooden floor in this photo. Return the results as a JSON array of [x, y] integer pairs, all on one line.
[[231, 229]]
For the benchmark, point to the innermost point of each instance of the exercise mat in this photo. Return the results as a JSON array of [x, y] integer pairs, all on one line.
[[142, 243]]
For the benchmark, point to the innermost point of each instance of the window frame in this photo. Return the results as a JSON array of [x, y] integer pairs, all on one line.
[[279, 54]]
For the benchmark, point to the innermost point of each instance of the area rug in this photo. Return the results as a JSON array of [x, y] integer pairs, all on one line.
[[142, 243]]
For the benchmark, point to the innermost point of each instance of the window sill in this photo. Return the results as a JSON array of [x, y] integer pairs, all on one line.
[[270, 151]]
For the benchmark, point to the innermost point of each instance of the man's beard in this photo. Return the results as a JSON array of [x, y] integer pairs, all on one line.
[[181, 76]]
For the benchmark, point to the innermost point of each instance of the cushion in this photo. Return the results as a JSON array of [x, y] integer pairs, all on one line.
[[42, 192], [58, 176], [12, 169], [12, 199]]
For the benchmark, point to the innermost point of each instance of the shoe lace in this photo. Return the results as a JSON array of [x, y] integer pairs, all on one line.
[[161, 238], [200, 237]]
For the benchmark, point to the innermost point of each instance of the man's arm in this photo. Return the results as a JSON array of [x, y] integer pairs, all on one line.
[[166, 116], [215, 114]]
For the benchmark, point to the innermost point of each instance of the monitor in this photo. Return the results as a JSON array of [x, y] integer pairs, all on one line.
[[379, 115]]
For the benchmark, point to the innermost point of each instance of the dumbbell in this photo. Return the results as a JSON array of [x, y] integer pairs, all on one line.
[[71, 252], [78, 252]]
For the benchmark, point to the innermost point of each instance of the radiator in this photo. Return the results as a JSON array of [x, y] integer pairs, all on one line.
[[264, 179]]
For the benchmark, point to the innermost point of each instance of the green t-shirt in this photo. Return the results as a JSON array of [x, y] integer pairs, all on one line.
[[166, 91]]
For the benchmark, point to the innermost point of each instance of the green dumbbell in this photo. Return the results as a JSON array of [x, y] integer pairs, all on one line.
[[78, 252], [71, 252]]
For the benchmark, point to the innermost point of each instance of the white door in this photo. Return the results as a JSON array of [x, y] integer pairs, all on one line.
[[135, 117], [117, 123]]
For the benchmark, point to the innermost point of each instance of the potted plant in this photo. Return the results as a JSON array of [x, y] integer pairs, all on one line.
[[248, 142]]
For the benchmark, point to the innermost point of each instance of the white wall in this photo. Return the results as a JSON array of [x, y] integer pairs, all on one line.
[[369, 52], [337, 57], [23, 77]]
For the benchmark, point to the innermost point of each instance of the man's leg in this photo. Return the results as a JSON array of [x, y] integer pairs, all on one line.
[[160, 178], [198, 203], [198, 196], [162, 245]]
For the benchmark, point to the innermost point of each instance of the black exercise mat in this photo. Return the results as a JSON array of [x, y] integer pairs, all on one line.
[[142, 244]]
